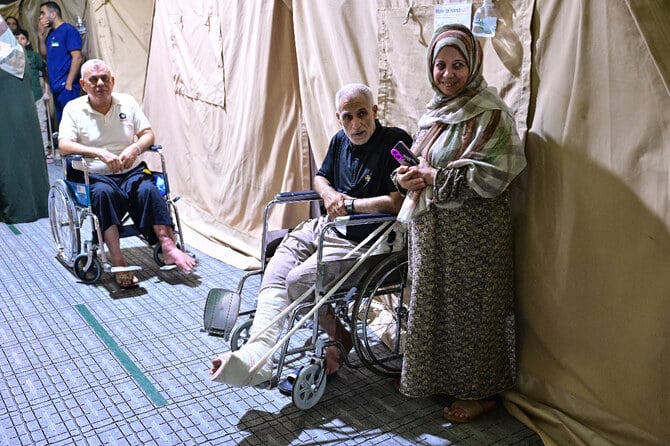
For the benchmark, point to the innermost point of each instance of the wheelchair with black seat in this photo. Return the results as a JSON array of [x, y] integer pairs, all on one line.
[[71, 216], [367, 289]]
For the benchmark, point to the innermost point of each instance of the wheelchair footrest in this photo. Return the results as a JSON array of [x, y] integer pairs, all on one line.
[[221, 310], [124, 269]]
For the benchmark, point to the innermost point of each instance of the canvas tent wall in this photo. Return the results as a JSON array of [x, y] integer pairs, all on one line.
[[240, 93]]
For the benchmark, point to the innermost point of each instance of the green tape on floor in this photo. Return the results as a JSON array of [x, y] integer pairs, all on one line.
[[123, 357], [14, 229]]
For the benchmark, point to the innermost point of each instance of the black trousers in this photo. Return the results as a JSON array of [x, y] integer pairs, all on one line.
[[133, 192]]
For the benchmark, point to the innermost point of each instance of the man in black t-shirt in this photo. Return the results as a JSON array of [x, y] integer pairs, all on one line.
[[355, 177]]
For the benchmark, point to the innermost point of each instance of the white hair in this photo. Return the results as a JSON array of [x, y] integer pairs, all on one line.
[[353, 91], [92, 63]]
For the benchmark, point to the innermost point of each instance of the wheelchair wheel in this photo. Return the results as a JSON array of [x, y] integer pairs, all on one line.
[[241, 335], [309, 386], [64, 223], [90, 275], [379, 316]]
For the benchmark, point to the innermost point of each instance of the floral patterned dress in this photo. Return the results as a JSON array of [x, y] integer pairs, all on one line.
[[460, 338]]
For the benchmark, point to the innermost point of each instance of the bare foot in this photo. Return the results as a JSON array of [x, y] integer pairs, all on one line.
[[334, 358], [216, 363], [465, 411], [175, 256]]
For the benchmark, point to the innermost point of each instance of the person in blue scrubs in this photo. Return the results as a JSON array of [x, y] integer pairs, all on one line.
[[61, 46]]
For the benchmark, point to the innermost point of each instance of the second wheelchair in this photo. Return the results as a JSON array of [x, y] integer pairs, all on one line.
[[76, 229]]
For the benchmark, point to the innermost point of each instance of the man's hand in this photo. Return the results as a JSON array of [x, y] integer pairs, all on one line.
[[42, 27], [115, 163], [129, 155], [334, 203]]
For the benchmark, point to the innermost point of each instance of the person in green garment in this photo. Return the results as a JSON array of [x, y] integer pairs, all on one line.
[[36, 66], [24, 181]]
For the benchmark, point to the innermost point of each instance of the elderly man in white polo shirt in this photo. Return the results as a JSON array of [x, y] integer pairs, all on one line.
[[111, 131]]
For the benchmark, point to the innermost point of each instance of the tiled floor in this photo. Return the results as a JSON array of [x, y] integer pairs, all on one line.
[[93, 364]]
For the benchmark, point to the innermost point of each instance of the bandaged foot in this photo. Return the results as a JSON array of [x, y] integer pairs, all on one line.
[[234, 368]]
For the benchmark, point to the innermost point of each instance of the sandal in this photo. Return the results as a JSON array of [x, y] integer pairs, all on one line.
[[469, 410], [126, 280]]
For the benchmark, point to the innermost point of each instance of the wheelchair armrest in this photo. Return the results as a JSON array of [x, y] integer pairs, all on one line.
[[303, 195], [77, 162], [360, 219]]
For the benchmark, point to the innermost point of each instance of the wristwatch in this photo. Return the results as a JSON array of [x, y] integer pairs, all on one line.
[[349, 205]]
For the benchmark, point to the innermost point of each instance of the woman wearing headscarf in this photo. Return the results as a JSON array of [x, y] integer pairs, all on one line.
[[460, 338]]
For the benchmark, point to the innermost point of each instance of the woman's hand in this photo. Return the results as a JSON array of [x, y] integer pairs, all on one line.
[[416, 177]]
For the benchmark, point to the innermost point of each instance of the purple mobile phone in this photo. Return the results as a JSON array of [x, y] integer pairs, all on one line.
[[403, 155]]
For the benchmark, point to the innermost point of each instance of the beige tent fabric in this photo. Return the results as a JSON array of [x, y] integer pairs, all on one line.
[[228, 153], [592, 233], [335, 45], [119, 32], [404, 30]]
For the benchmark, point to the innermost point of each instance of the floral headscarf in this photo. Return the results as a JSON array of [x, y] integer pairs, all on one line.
[[462, 39], [472, 131]]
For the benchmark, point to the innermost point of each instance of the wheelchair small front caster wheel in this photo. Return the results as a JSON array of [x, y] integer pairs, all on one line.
[[309, 386], [90, 275], [240, 335]]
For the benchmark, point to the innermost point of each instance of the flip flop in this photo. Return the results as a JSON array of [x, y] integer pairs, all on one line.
[[285, 385], [472, 409]]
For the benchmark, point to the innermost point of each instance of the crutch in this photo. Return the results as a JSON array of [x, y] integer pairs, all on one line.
[[52, 148]]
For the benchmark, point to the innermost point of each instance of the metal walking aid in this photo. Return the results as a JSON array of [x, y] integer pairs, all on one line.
[[47, 112]]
